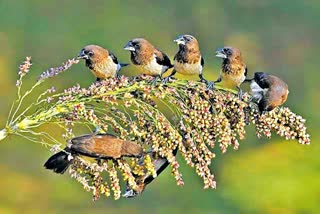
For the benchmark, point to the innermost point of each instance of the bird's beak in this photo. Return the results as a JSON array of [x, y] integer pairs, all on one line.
[[180, 40], [129, 47], [221, 54], [82, 55]]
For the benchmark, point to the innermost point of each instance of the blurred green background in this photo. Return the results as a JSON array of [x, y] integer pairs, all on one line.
[[264, 176]]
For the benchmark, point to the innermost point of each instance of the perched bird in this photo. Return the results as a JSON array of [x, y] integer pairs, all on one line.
[[160, 164], [102, 63], [150, 60], [268, 91], [233, 70], [101, 146], [188, 59]]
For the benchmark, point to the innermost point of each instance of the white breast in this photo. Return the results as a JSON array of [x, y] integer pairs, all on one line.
[[111, 66], [256, 91], [105, 70], [153, 68], [230, 80], [188, 69]]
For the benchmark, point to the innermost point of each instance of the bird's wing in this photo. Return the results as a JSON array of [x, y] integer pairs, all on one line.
[[97, 146], [246, 71], [114, 58], [262, 79], [162, 58]]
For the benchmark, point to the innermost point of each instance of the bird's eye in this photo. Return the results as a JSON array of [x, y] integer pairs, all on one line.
[[90, 53], [228, 51], [136, 45]]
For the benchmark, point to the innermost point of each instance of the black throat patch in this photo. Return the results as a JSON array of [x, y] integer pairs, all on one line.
[[89, 64], [135, 58], [226, 68], [181, 56]]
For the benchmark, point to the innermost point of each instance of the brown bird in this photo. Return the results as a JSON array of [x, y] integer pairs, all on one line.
[[160, 164], [149, 59], [233, 70], [102, 63], [188, 59], [268, 91], [101, 146]]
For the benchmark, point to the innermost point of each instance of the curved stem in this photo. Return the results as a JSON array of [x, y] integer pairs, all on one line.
[[20, 102]]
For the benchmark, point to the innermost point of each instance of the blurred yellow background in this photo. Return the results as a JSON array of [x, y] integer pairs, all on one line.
[[264, 176]]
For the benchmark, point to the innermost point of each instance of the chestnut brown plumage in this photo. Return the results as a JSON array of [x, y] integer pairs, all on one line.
[[160, 164], [233, 69], [268, 91], [101, 146], [188, 59], [102, 63], [149, 59]]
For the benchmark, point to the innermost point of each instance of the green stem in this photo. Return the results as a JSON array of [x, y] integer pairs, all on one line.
[[20, 102], [18, 93]]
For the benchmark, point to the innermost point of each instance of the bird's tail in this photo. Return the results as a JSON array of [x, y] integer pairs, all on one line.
[[59, 162], [124, 64], [160, 165]]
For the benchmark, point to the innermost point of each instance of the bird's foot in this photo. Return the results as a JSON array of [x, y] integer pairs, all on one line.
[[154, 81], [97, 130], [240, 95], [167, 79], [210, 85], [139, 78], [133, 79], [99, 162], [119, 76]]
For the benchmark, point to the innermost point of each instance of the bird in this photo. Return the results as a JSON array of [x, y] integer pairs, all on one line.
[[149, 59], [102, 63], [188, 60], [98, 146], [268, 91], [159, 163], [233, 70]]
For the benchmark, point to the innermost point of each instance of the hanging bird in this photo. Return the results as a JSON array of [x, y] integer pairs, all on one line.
[[100, 146]]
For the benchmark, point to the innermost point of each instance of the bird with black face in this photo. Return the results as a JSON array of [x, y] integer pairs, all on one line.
[[268, 91], [102, 63], [188, 59], [147, 58], [159, 163], [233, 69], [98, 146]]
